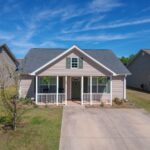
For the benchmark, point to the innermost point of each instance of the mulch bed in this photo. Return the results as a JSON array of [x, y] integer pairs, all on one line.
[[126, 104]]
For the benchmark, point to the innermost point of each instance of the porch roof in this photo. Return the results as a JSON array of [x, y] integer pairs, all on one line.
[[37, 57]]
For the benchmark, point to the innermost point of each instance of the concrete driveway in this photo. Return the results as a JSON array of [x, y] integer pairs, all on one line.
[[104, 129]]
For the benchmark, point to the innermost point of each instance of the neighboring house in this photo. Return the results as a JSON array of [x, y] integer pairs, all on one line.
[[58, 75], [140, 70], [8, 63]]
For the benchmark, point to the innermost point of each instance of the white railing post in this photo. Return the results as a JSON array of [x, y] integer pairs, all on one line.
[[111, 90], [65, 90], [57, 89], [82, 90], [124, 90], [91, 101], [36, 90]]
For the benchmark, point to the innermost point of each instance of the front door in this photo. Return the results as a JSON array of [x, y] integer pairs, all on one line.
[[76, 88]]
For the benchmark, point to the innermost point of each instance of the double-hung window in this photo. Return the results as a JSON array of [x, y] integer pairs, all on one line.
[[75, 62]]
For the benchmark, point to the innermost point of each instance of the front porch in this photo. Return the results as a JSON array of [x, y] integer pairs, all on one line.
[[59, 90]]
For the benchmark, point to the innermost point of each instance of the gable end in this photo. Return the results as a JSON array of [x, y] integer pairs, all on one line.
[[67, 51]]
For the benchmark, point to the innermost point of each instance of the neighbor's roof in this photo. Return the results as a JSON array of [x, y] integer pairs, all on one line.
[[37, 57], [20, 64], [6, 48], [146, 51]]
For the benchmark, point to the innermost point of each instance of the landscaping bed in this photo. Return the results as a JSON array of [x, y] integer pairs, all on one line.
[[124, 104]]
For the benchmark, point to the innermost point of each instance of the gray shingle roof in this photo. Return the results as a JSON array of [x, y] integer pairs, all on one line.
[[37, 57], [6, 48]]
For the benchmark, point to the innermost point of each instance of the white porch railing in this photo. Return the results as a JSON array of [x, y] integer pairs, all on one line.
[[50, 98], [86, 98], [96, 97]]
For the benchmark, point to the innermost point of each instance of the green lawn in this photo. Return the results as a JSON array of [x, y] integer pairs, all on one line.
[[40, 130], [140, 99]]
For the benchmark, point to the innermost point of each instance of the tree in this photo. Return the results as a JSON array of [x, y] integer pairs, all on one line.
[[9, 101], [126, 60]]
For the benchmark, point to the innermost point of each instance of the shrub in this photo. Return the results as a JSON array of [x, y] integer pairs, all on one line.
[[102, 104], [26, 101], [118, 101]]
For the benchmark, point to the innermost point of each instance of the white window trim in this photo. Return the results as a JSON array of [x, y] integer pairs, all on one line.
[[77, 63]]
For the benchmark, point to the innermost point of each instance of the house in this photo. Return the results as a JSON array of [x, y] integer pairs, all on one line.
[[8, 63], [140, 69], [54, 76]]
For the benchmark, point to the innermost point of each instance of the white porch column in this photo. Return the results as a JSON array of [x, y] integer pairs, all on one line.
[[65, 90], [36, 89], [124, 88], [82, 90], [57, 89], [111, 90], [91, 101]]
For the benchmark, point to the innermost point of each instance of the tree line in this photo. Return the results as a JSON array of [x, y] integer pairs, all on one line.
[[127, 60]]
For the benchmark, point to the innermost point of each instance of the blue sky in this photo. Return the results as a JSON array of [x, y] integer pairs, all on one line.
[[120, 25]]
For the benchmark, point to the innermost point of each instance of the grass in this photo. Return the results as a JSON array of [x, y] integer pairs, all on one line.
[[39, 130], [140, 99]]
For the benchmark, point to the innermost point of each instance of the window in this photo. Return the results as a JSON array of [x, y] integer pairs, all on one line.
[[74, 63], [47, 84], [101, 85]]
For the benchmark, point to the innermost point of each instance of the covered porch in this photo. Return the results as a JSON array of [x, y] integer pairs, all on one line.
[[59, 90]]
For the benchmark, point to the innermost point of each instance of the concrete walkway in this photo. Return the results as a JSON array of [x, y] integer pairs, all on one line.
[[104, 129]]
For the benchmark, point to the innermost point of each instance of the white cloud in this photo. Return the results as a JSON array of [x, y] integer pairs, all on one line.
[[84, 23], [105, 37], [50, 43], [145, 9], [6, 36], [102, 37], [104, 5], [8, 6], [48, 14], [95, 6], [23, 44], [116, 24]]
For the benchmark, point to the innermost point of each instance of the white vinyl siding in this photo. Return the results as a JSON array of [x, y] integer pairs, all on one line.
[[117, 87]]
